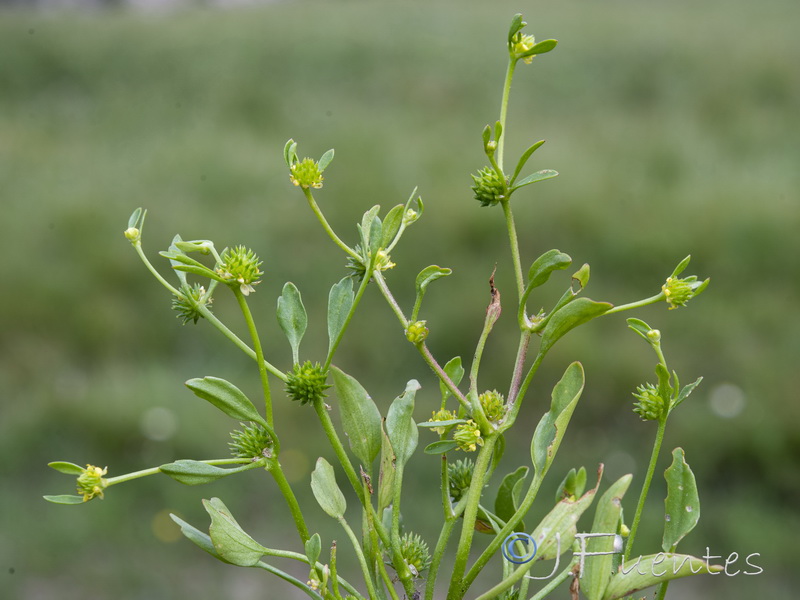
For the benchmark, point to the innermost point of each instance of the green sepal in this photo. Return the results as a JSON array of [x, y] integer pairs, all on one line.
[[290, 153], [197, 537], [66, 467], [361, 419], [516, 24], [542, 47], [534, 178], [325, 160], [455, 371], [193, 472], [597, 571], [555, 533], [543, 267], [326, 490], [440, 447], [391, 224], [229, 539], [400, 425], [524, 159], [570, 316], [486, 135], [313, 548], [64, 499], [226, 397], [553, 425], [507, 501], [682, 504], [673, 566], [340, 301], [292, 317]]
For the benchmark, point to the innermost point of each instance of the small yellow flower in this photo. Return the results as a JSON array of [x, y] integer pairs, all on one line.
[[91, 482], [468, 436], [523, 43], [306, 174], [442, 415]]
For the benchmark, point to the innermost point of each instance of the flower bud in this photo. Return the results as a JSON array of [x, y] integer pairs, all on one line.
[[239, 267], [306, 383], [679, 291], [654, 335], [133, 234], [306, 174], [416, 332]]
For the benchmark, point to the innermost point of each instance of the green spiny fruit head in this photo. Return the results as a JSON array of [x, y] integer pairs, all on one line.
[[489, 187], [252, 442], [306, 383], [650, 405], [459, 475], [415, 552]]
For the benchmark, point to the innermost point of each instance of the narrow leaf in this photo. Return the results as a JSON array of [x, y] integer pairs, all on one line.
[[197, 537], [400, 425], [229, 539], [226, 397], [361, 419], [193, 472], [516, 24], [325, 160], [64, 499], [681, 266], [507, 500], [292, 317], [535, 177], [387, 472], [682, 504], [340, 301], [326, 490], [550, 430], [688, 389], [289, 153], [543, 267], [524, 159], [66, 467], [175, 248], [644, 571], [134, 218], [391, 224], [597, 571], [446, 423], [641, 328], [440, 447], [455, 372], [570, 316], [542, 47], [428, 275]]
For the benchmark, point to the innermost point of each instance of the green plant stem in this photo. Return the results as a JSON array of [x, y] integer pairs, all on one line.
[[211, 318], [519, 365], [313, 204], [262, 368], [338, 448], [361, 289], [640, 303], [555, 582], [514, 241], [361, 560], [516, 402], [422, 347], [155, 470], [138, 247], [441, 545], [512, 63], [491, 318], [457, 587], [291, 501], [662, 423], [662, 591], [286, 577]]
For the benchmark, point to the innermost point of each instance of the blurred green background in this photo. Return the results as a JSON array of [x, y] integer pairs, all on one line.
[[675, 127]]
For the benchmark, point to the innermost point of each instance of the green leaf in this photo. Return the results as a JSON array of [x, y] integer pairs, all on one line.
[[340, 301], [361, 419], [535, 177], [550, 430], [226, 397], [440, 447], [64, 499], [326, 490], [582, 276], [325, 160], [455, 372], [370, 230], [193, 472], [573, 484], [428, 275], [292, 317], [568, 317], [641, 328], [657, 568], [199, 271], [688, 389], [290, 153], [486, 135], [507, 500], [400, 425], [555, 533], [542, 47], [524, 159], [66, 467], [133, 221], [543, 267], [597, 571], [175, 249], [665, 390], [229, 539], [681, 266], [446, 423], [197, 537], [497, 453], [682, 504], [516, 24], [391, 224], [387, 472], [313, 548]]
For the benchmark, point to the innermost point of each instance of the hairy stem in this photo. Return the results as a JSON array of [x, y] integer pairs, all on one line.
[[262, 368], [291, 500], [313, 204]]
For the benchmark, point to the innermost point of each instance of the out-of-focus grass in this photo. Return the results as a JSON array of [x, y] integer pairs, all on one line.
[[675, 130]]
